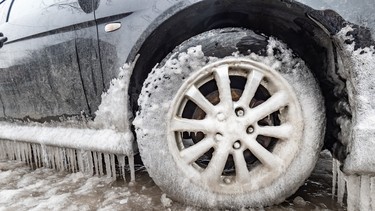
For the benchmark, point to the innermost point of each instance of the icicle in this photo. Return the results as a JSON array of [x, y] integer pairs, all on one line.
[[40, 155], [56, 158], [100, 160], [85, 163], [17, 155], [365, 194], [75, 154], [372, 193], [90, 163], [52, 157], [60, 157], [64, 160], [341, 185], [24, 151], [96, 163], [35, 155], [72, 160], [107, 165], [334, 177], [30, 154], [131, 165], [20, 150], [80, 160], [45, 157], [12, 151], [68, 160], [353, 190], [121, 161], [113, 166], [3, 150]]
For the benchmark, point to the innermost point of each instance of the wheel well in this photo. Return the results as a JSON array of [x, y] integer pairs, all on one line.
[[284, 19]]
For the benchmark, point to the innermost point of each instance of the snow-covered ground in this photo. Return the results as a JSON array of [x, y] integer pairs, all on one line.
[[22, 188]]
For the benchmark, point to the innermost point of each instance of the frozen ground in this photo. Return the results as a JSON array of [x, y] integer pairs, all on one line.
[[44, 189]]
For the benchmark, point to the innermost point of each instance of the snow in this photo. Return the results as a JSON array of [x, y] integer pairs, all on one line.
[[44, 189], [165, 201], [113, 112]]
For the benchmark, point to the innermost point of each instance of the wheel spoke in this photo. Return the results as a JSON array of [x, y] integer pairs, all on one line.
[[217, 163], [282, 132], [191, 125], [252, 84], [195, 151], [274, 103], [266, 157], [223, 84], [242, 173], [197, 97]]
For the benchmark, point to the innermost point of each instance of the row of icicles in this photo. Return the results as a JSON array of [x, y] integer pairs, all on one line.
[[357, 190], [66, 159]]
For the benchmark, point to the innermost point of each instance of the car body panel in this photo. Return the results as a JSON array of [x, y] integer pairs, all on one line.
[[49, 62], [357, 12]]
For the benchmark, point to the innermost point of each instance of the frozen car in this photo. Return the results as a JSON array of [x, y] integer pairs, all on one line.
[[228, 101]]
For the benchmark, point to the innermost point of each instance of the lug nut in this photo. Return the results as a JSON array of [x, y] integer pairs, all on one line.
[[250, 130], [240, 112], [218, 137], [227, 180], [220, 117], [237, 145]]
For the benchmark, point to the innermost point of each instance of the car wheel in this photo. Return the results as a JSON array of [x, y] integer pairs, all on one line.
[[236, 131]]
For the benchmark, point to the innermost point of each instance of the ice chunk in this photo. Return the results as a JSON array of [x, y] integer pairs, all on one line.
[[167, 202]]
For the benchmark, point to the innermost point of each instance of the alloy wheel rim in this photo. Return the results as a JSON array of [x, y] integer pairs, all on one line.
[[232, 127]]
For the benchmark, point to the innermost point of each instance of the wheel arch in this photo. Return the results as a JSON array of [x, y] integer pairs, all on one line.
[[286, 20]]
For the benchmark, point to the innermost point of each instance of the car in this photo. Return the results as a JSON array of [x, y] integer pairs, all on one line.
[[228, 102]]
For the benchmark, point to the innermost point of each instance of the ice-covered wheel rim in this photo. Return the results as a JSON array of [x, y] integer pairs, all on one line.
[[232, 129]]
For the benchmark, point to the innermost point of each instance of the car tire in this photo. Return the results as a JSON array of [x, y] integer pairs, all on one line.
[[207, 144]]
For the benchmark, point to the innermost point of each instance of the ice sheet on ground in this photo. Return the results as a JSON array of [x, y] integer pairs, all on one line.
[[44, 189]]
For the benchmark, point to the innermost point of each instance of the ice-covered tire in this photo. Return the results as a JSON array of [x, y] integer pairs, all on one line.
[[236, 131]]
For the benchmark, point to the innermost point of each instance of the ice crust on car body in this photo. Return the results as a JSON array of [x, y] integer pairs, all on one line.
[[355, 176], [83, 147]]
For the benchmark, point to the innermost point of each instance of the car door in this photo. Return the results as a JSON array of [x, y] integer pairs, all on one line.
[[116, 44], [50, 66]]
